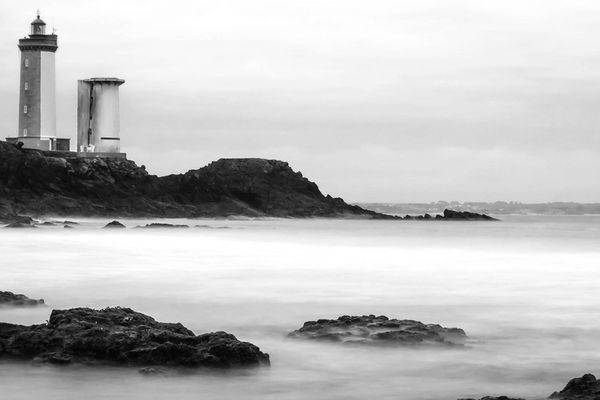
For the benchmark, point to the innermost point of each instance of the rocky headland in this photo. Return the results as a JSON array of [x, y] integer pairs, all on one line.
[[36, 183], [123, 336], [52, 183], [12, 299], [380, 330]]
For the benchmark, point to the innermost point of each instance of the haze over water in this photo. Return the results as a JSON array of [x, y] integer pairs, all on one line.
[[525, 290]]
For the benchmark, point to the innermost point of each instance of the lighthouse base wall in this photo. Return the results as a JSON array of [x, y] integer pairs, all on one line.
[[76, 154], [42, 143]]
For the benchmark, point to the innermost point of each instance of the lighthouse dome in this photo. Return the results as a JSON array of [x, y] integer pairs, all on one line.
[[38, 21]]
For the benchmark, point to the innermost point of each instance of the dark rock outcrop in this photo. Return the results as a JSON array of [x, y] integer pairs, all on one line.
[[12, 299], [114, 224], [451, 215], [465, 216], [586, 387], [369, 329], [40, 183], [123, 336]]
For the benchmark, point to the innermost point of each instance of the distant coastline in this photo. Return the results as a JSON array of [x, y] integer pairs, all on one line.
[[495, 208]]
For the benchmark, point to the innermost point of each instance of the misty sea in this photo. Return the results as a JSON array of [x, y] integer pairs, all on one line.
[[525, 290]]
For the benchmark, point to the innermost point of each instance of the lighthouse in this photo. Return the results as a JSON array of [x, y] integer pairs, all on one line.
[[37, 91]]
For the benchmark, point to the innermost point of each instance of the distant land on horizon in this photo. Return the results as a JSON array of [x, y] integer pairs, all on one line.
[[498, 208]]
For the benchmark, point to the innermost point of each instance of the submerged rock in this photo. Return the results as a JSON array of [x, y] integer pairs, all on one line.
[[12, 299], [114, 224], [162, 225], [123, 336], [369, 329], [586, 387]]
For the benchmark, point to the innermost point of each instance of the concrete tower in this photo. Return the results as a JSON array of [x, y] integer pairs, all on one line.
[[98, 122], [37, 93]]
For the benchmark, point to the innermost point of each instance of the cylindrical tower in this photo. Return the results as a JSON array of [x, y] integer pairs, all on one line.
[[37, 94], [98, 123]]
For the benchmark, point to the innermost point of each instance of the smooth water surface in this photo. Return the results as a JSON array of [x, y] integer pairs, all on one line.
[[526, 290]]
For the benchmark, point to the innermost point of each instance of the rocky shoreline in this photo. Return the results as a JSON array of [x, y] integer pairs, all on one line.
[[19, 221], [37, 183]]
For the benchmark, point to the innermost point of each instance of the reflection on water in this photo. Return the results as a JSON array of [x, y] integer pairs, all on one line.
[[524, 289]]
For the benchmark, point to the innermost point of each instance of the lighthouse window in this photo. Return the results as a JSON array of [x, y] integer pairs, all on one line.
[[26, 85], [24, 109], [26, 62]]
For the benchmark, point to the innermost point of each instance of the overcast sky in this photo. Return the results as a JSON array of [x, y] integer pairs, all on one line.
[[403, 101]]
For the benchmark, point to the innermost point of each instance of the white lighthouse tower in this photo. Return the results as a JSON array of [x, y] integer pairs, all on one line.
[[37, 92]]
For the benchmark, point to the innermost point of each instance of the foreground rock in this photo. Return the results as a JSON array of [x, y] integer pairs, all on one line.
[[586, 387], [369, 329], [12, 299], [123, 336]]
